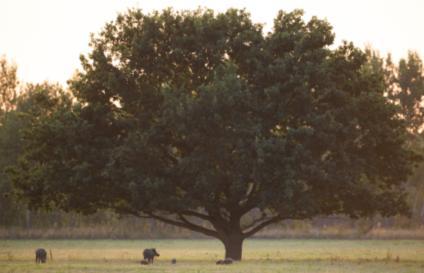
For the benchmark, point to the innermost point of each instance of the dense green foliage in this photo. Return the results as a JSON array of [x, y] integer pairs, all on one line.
[[35, 101], [8, 82], [195, 116], [407, 88], [404, 85]]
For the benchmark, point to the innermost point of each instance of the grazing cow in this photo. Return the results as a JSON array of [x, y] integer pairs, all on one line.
[[40, 255], [173, 261], [149, 254]]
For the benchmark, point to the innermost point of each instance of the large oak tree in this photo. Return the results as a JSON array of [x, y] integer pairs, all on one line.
[[197, 119]]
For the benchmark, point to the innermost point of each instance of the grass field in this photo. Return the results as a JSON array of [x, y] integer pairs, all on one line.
[[196, 256]]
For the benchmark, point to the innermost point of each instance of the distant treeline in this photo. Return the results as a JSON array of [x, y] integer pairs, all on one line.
[[106, 225]]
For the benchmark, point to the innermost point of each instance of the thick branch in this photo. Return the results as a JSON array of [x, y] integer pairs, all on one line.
[[251, 199], [218, 222], [185, 224], [196, 214], [261, 226], [195, 227], [256, 221], [126, 210]]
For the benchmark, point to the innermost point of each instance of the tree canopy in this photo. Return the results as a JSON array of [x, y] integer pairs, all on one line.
[[8, 85], [33, 101], [192, 117], [407, 89]]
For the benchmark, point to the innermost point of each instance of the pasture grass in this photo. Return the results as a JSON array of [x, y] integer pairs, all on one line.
[[196, 256]]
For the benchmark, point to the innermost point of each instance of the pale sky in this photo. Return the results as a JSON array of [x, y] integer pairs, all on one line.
[[45, 37]]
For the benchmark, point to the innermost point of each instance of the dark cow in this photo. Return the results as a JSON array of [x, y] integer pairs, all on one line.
[[40, 255], [173, 261], [149, 254]]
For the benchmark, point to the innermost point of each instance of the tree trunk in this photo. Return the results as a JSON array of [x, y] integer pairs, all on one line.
[[233, 247]]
